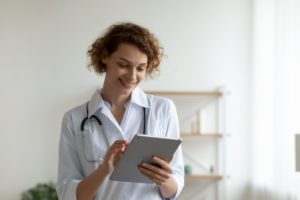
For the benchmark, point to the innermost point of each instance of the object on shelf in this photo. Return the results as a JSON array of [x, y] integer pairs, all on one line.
[[198, 129], [187, 169], [211, 169], [196, 123]]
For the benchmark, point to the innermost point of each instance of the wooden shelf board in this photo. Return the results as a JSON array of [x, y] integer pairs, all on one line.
[[204, 135], [185, 93], [203, 177]]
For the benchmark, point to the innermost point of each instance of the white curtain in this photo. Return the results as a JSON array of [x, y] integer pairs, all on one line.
[[276, 99]]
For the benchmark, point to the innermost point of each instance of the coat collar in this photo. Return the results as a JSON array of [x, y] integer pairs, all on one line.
[[138, 97]]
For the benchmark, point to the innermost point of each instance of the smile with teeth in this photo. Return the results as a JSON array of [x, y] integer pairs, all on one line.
[[127, 84]]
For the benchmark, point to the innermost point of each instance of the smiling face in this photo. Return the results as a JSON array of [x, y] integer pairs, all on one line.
[[125, 69]]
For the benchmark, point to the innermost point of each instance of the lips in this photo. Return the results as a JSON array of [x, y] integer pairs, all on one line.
[[128, 84]]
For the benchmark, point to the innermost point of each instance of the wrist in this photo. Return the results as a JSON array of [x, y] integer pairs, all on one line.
[[103, 170], [169, 188]]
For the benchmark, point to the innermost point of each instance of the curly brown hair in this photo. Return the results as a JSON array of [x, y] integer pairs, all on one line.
[[128, 33]]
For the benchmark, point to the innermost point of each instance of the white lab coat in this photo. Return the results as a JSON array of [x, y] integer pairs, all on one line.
[[74, 151]]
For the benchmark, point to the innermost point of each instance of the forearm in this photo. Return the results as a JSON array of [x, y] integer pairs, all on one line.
[[88, 187], [169, 188]]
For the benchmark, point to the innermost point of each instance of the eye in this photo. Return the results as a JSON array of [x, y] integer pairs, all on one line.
[[123, 65], [141, 69]]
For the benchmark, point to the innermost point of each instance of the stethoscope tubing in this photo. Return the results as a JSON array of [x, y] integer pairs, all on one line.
[[87, 118]]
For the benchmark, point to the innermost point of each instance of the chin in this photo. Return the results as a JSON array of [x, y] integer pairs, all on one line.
[[127, 91]]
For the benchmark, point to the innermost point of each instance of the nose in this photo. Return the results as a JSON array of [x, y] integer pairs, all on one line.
[[132, 74]]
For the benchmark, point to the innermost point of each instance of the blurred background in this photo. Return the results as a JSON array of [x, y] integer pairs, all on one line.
[[250, 46]]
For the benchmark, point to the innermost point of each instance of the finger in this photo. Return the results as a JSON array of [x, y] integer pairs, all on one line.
[[115, 149], [155, 171], [119, 145], [121, 141], [115, 152], [113, 156], [168, 161], [164, 165], [156, 181], [152, 175]]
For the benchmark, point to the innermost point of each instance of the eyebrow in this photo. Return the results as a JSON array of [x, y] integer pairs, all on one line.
[[124, 59]]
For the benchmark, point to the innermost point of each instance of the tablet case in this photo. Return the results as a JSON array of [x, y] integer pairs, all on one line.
[[142, 149]]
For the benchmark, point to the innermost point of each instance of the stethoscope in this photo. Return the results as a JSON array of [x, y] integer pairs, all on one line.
[[85, 121]]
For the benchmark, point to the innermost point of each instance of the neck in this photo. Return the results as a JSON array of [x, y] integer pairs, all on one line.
[[116, 100]]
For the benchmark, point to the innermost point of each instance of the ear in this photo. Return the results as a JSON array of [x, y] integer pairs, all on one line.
[[104, 60], [105, 57]]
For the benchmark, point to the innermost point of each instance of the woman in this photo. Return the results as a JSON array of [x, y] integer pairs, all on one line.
[[95, 135]]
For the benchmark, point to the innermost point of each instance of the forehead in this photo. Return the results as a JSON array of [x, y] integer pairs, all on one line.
[[130, 52]]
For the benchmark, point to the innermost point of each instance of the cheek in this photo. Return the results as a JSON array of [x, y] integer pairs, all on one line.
[[141, 76], [117, 71]]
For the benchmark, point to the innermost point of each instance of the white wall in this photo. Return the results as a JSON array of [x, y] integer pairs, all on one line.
[[43, 57]]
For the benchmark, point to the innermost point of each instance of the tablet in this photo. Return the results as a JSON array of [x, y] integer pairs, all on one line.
[[141, 149]]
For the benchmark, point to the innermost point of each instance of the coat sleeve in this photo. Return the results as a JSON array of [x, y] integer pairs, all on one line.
[[173, 131], [69, 172]]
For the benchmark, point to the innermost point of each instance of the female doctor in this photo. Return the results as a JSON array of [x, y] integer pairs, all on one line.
[[95, 135]]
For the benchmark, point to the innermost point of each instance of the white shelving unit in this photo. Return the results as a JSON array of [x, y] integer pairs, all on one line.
[[202, 123]]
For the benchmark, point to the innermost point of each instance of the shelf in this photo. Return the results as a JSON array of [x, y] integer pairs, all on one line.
[[202, 120], [185, 93], [202, 135], [203, 177]]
